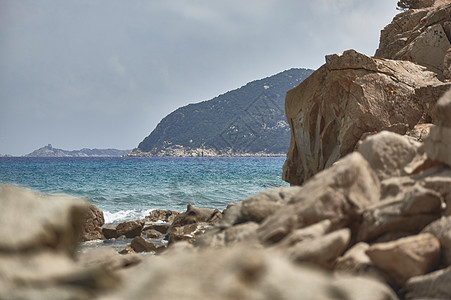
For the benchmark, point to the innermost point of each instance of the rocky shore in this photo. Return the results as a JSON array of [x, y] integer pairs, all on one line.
[[368, 215], [374, 225]]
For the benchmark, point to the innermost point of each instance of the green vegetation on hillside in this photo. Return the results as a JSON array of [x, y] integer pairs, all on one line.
[[247, 120]]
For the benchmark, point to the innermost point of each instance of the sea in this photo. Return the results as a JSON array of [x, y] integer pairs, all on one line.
[[130, 188]]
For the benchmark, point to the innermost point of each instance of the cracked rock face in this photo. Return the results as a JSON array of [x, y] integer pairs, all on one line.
[[352, 94], [422, 36]]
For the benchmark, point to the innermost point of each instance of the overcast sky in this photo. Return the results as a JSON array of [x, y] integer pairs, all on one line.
[[103, 73]]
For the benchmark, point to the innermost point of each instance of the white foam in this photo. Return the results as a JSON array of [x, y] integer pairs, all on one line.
[[125, 215]]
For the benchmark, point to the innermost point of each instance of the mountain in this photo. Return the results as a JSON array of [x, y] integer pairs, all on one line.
[[247, 121], [49, 151]]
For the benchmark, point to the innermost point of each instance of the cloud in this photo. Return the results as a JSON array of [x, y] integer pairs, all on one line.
[[82, 64]]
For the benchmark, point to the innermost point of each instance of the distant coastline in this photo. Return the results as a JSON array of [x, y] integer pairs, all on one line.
[[49, 151]]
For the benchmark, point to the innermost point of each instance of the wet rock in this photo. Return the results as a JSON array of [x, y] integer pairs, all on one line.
[[139, 244], [130, 229], [160, 227], [161, 215], [152, 234], [339, 194], [127, 250], [109, 231], [406, 257], [187, 232], [194, 215]]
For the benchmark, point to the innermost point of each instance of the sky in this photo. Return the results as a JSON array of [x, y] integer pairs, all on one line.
[[102, 73]]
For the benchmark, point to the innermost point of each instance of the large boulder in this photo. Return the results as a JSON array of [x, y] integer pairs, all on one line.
[[239, 273], [388, 153], [435, 285], [418, 35], [32, 221], [339, 193], [409, 211], [139, 244], [406, 257], [38, 237], [188, 232], [157, 215], [440, 182], [438, 144], [441, 229], [194, 215], [350, 95], [323, 250], [130, 229]]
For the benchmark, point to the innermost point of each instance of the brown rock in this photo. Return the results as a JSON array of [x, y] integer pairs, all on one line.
[[139, 244], [162, 215], [307, 233], [441, 229], [240, 273], [443, 110], [388, 153], [434, 285], [109, 231], [339, 193], [219, 237], [408, 211], [323, 250], [406, 257], [348, 96], [447, 65], [160, 227], [30, 221], [152, 234], [106, 257], [257, 207], [245, 232], [187, 232], [49, 275], [194, 215], [130, 229], [93, 222], [441, 183], [38, 237], [420, 131], [418, 36], [127, 250], [354, 260]]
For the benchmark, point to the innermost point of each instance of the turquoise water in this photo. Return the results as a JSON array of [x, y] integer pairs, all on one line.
[[129, 188]]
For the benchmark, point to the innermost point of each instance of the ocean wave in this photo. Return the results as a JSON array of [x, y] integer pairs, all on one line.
[[124, 215]]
